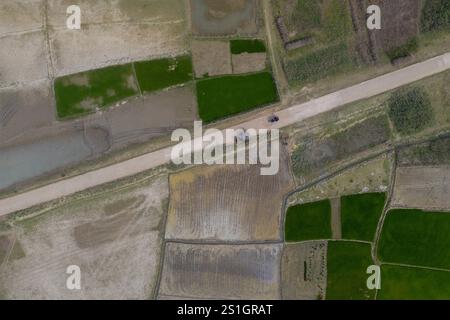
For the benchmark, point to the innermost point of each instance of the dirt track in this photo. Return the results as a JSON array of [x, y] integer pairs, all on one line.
[[287, 116]]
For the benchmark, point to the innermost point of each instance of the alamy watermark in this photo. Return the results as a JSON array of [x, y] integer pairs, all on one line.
[[230, 146]]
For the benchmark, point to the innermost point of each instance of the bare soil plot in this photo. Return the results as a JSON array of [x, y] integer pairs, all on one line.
[[221, 272], [249, 62], [143, 118], [115, 239], [304, 271], [336, 226], [115, 32], [23, 58], [21, 15], [211, 58], [24, 108], [227, 203], [117, 11], [422, 187], [224, 17]]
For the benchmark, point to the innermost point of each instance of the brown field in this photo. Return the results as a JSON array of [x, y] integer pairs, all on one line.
[[250, 209], [211, 58], [143, 118], [224, 17], [23, 108], [422, 187], [23, 58], [115, 32], [249, 62], [304, 271], [114, 237], [221, 272]]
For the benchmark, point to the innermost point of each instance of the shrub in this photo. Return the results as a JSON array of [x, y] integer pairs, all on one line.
[[410, 110]]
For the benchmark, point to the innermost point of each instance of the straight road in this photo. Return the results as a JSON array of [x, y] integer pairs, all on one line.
[[287, 116]]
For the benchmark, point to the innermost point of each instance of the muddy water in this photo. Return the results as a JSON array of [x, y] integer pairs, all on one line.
[[24, 162]]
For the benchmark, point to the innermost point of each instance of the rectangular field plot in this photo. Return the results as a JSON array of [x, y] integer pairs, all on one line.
[[221, 272], [422, 187], [21, 15], [115, 237], [85, 92], [162, 73], [416, 237], [304, 271], [239, 46], [308, 221], [229, 95], [406, 283], [227, 203], [360, 214], [347, 263]]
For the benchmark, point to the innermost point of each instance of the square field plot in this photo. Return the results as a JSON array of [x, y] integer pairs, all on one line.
[[211, 58], [221, 271], [347, 264], [308, 221], [23, 58], [162, 73], [360, 214], [416, 237], [224, 17], [229, 95]]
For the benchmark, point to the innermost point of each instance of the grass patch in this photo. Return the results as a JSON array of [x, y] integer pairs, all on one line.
[[308, 221], [229, 95], [360, 214], [347, 263], [404, 50], [158, 74], [318, 64], [337, 22], [410, 110], [83, 92], [413, 284], [435, 15], [416, 237], [247, 46]]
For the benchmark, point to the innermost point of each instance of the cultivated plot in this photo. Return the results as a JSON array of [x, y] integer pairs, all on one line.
[[113, 237], [308, 221], [347, 263], [221, 272], [416, 237], [227, 203], [409, 283]]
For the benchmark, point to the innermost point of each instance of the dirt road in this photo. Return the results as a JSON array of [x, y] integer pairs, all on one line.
[[287, 116]]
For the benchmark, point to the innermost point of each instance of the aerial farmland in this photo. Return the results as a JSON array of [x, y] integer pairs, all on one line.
[[97, 203]]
